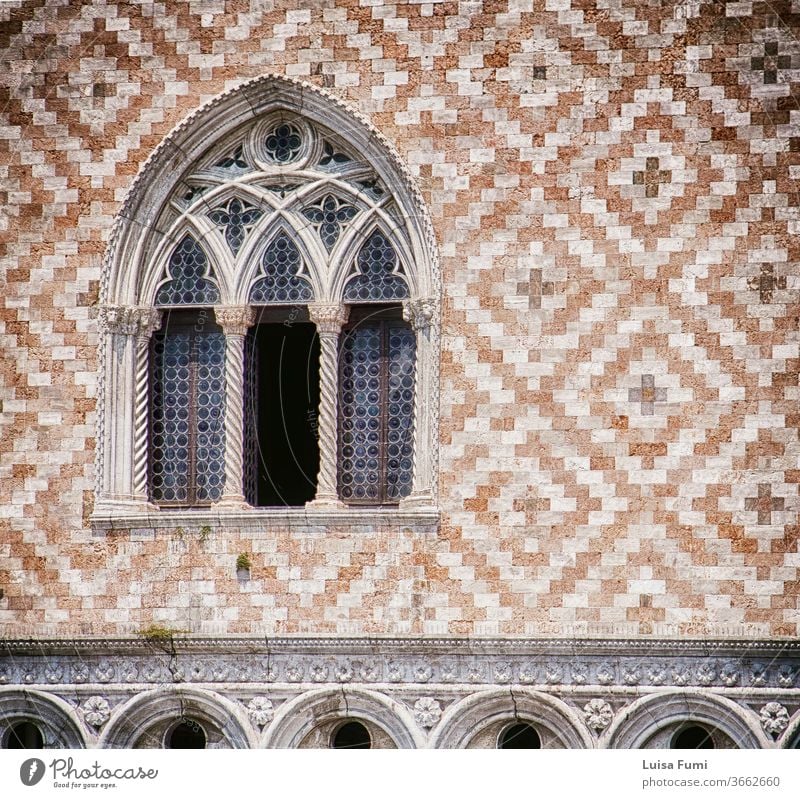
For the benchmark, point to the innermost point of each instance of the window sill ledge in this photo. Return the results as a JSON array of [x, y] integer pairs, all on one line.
[[140, 518]]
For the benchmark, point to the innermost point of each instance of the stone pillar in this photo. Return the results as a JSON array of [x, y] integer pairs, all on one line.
[[148, 320], [235, 322], [329, 320], [118, 325], [420, 313]]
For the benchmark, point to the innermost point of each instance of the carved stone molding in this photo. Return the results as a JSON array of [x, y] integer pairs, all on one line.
[[554, 665]]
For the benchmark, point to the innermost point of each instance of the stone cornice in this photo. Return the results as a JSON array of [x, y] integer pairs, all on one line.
[[297, 518], [468, 664], [430, 646]]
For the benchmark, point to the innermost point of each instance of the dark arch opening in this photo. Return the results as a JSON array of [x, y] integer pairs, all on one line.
[[351, 735], [187, 734], [520, 735], [688, 737], [23, 735]]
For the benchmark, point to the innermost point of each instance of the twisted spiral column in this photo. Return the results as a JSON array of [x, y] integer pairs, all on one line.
[[117, 325], [148, 320], [329, 320], [235, 321]]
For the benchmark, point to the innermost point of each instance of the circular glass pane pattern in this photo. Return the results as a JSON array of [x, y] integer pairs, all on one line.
[[520, 735], [351, 735], [283, 143], [374, 280], [280, 283], [234, 221], [329, 216], [187, 266]]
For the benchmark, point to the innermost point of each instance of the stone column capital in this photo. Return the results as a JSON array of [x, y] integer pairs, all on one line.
[[235, 319], [118, 319], [148, 320], [420, 312], [329, 319]]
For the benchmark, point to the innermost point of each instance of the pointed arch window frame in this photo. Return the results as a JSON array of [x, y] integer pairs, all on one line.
[[127, 317]]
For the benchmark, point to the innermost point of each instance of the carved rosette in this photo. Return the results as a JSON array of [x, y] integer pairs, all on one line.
[[427, 712], [54, 673], [774, 718], [422, 672], [260, 711], [235, 322], [598, 714], [786, 676], [343, 673], [329, 320], [96, 711]]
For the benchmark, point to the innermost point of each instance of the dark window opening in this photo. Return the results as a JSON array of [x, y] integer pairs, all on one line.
[[23, 735], [281, 409], [377, 362], [690, 737], [351, 735], [520, 735], [187, 734]]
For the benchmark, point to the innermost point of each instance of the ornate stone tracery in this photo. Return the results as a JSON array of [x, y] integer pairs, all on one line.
[[266, 154]]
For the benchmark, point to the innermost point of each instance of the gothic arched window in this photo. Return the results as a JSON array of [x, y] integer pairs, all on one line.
[[282, 326]]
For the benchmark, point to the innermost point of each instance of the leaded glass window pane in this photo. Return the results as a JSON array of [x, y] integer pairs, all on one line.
[[400, 412], [331, 157], [169, 419], [235, 220], [328, 216], [283, 143], [187, 435], [188, 285], [374, 281], [234, 162], [376, 408], [281, 283], [250, 443]]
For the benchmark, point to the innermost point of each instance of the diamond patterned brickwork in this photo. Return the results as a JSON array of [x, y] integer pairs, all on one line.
[[619, 408]]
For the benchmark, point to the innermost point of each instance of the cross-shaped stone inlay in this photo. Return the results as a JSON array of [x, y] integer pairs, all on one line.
[[651, 177], [770, 63], [765, 504], [766, 283], [648, 394], [535, 288]]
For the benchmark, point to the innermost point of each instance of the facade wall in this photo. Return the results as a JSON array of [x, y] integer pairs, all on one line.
[[613, 192]]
